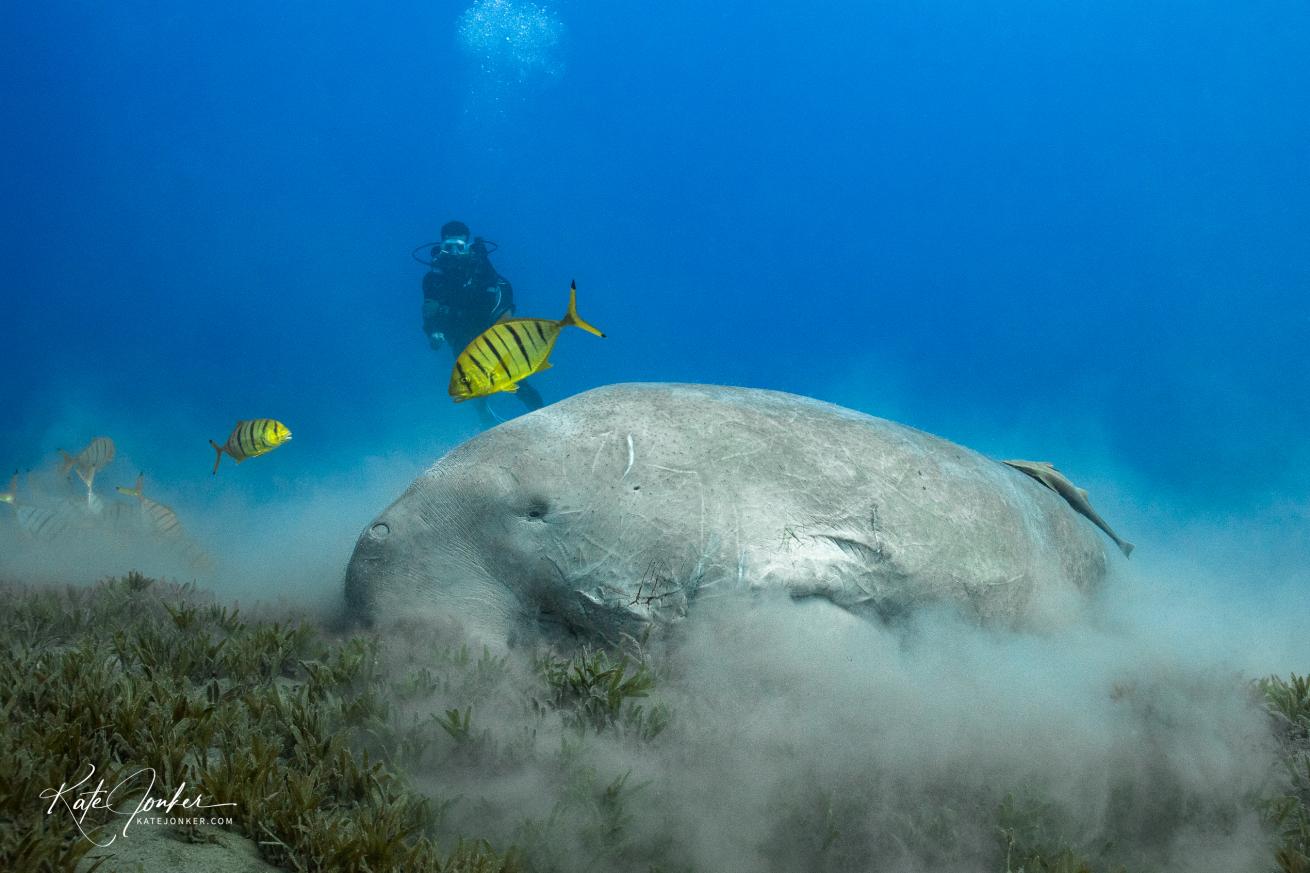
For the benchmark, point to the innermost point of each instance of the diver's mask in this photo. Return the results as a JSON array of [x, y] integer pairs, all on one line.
[[455, 245]]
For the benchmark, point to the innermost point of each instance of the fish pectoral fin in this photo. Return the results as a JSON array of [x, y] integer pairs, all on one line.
[[504, 316], [545, 365], [1082, 492]]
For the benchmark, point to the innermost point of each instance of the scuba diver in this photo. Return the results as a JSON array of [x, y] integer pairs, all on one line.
[[463, 295]]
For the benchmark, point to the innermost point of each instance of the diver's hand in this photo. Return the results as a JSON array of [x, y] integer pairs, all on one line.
[[436, 338]]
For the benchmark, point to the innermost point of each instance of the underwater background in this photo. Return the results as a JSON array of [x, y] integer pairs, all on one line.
[[1076, 232], [1067, 231]]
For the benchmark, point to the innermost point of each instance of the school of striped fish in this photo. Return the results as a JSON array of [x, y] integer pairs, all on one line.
[[52, 519], [47, 519]]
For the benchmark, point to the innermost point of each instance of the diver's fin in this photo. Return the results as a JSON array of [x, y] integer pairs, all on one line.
[[572, 317], [219, 450]]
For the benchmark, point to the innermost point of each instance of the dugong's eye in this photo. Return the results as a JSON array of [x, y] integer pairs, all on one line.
[[537, 510]]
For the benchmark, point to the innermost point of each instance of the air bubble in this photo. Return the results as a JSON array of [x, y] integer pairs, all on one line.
[[513, 43]]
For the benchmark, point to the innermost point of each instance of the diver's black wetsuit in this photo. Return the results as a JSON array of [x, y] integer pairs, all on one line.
[[463, 295]]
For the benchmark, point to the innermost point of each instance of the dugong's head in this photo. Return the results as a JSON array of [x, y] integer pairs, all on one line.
[[509, 534]]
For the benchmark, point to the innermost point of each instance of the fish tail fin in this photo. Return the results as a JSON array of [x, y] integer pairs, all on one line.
[[572, 317], [67, 463], [1126, 548], [135, 491], [219, 450]]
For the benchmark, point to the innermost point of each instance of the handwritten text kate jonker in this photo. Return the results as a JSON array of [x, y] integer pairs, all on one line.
[[82, 802]]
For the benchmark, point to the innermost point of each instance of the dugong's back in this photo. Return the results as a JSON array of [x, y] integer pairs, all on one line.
[[713, 486], [652, 496]]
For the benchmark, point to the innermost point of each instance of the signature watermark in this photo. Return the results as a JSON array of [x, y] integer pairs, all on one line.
[[79, 803]]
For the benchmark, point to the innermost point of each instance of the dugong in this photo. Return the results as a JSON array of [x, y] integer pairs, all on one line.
[[619, 509]]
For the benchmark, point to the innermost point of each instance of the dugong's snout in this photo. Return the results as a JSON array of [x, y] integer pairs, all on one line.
[[409, 564], [368, 561]]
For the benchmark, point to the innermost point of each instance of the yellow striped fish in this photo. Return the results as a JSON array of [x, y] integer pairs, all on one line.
[[509, 351], [158, 517], [11, 495], [194, 555], [163, 522], [119, 517], [252, 438], [92, 459], [50, 523]]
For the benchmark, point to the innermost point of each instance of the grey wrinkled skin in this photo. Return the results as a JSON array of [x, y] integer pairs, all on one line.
[[624, 506]]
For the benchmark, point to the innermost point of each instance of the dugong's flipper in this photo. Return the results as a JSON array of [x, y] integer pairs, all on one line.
[[1045, 472]]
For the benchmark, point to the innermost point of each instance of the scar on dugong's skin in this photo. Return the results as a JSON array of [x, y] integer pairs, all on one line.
[[1045, 472], [622, 507]]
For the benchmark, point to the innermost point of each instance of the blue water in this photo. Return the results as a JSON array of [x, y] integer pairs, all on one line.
[[1074, 231]]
